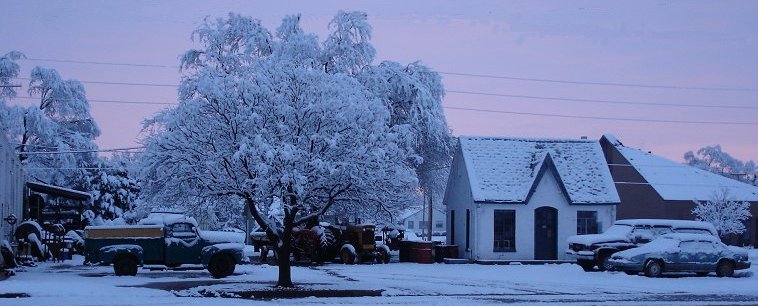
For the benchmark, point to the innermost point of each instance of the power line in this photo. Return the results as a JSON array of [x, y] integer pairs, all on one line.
[[596, 100], [120, 83], [600, 118], [599, 83], [476, 75], [98, 63], [81, 151], [111, 101]]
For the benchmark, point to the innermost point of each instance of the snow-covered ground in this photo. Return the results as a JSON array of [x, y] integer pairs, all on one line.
[[71, 283]]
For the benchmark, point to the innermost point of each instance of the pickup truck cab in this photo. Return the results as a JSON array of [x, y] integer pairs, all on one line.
[[171, 244], [596, 249]]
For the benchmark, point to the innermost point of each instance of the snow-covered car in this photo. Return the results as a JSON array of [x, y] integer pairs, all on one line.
[[595, 249], [696, 253]]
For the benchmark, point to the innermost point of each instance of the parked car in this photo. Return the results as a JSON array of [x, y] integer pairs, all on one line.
[[696, 253], [595, 249], [171, 241]]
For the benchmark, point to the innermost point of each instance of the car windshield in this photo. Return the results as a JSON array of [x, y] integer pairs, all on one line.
[[618, 230]]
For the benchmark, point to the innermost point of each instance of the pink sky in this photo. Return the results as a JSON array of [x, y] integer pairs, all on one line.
[[696, 44]]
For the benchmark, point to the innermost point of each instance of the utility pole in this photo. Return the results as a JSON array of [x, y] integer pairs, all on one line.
[[429, 224]]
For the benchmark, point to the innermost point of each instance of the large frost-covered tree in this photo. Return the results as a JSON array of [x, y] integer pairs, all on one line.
[[714, 159], [114, 187], [725, 213], [60, 122], [262, 118]]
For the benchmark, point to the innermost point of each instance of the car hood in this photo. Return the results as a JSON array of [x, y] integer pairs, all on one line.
[[737, 250], [594, 238]]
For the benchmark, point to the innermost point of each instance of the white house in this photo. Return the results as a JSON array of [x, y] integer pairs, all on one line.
[[415, 220], [519, 199]]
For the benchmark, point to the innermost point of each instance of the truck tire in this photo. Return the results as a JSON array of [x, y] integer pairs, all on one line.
[[221, 265], [586, 265], [125, 265], [725, 268]]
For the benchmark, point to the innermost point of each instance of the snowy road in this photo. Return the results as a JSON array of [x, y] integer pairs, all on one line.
[[402, 284]]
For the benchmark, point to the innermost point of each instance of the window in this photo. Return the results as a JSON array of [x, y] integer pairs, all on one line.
[[504, 231], [452, 226], [586, 222], [410, 224], [438, 225]]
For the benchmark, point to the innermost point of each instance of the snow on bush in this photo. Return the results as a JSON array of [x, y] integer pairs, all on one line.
[[726, 214]]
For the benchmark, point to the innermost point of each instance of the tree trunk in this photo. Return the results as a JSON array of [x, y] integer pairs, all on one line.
[[283, 252], [285, 266]]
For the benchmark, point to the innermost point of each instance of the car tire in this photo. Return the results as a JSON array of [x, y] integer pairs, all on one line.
[[221, 265], [653, 268], [125, 265], [725, 268]]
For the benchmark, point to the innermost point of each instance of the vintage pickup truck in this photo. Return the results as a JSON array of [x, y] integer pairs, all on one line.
[[171, 243]]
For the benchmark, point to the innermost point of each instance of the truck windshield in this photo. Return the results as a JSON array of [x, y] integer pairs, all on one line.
[[618, 230]]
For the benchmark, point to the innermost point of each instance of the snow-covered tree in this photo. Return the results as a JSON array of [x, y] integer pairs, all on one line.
[[113, 185], [60, 122], [714, 159], [9, 70], [261, 119], [726, 214]]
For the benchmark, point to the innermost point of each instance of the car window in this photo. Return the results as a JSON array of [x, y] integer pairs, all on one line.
[[618, 230], [693, 231], [182, 230], [643, 234], [696, 246], [662, 230]]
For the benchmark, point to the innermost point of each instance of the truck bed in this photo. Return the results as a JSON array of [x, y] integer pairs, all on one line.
[[149, 237]]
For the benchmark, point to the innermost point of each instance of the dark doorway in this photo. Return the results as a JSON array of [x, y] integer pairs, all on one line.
[[545, 233]]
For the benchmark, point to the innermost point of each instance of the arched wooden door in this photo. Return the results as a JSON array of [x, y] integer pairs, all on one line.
[[545, 233]]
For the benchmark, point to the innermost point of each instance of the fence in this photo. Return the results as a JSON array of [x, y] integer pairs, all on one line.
[[11, 188]]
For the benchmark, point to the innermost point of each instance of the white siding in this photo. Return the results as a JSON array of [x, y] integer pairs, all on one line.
[[458, 198], [11, 186], [547, 193]]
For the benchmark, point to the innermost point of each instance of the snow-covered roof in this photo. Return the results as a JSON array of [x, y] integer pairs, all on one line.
[[688, 237], [505, 169], [668, 222], [414, 210], [59, 191], [675, 181]]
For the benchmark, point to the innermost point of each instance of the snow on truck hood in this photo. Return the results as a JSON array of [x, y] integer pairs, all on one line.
[[595, 238], [223, 236]]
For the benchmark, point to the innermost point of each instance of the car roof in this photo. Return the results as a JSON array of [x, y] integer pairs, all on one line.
[[668, 222], [691, 237]]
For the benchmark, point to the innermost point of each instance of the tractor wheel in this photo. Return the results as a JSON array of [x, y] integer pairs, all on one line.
[[347, 256], [383, 254], [725, 268], [125, 265], [221, 265]]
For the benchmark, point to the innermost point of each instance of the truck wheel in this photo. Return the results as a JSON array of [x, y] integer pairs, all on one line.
[[587, 266], [221, 265], [125, 265], [725, 268], [603, 262], [347, 256]]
